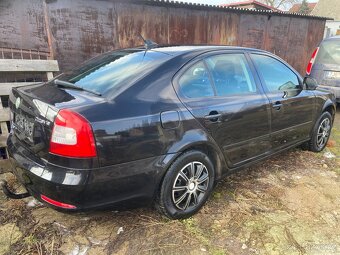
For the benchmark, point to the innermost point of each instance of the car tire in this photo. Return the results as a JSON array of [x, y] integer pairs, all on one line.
[[186, 186], [321, 132]]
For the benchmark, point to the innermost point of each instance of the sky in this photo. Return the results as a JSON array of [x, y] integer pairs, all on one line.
[[221, 1]]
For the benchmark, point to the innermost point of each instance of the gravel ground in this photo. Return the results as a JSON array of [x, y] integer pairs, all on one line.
[[289, 204]]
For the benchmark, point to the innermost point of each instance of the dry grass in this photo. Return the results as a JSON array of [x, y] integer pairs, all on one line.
[[286, 205]]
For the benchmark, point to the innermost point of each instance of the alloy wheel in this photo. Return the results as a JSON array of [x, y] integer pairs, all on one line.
[[190, 185], [323, 133]]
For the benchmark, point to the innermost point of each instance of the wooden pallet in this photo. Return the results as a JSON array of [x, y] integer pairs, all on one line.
[[18, 66]]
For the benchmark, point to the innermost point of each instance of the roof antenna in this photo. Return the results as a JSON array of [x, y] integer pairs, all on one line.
[[148, 44]]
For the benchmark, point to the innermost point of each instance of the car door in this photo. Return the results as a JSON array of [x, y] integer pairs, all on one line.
[[222, 94], [291, 106]]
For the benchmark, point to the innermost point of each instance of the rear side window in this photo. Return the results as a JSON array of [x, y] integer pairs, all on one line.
[[329, 53], [231, 74], [195, 82], [276, 75]]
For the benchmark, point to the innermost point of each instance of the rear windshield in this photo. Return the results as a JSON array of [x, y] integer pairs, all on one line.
[[329, 53], [111, 71]]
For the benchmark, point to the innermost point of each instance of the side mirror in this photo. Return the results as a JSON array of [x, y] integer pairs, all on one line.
[[310, 83]]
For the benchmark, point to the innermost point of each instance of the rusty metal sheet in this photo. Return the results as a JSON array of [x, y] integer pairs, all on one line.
[[134, 20], [81, 29], [276, 38], [187, 27], [130, 24], [155, 24], [223, 28], [22, 25], [296, 48], [252, 30]]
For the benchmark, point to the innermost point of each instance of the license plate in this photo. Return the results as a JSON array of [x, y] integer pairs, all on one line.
[[331, 75], [24, 125]]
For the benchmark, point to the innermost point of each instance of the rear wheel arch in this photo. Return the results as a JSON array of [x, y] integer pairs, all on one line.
[[210, 150], [330, 108], [212, 154]]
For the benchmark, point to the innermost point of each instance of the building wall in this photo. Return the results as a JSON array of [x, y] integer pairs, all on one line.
[[332, 28], [328, 8], [79, 29]]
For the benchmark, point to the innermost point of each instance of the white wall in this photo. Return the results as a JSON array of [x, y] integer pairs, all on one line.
[[332, 28]]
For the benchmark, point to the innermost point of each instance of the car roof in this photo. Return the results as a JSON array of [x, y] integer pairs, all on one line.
[[179, 50], [333, 38]]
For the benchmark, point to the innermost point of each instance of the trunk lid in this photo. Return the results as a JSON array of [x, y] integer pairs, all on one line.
[[326, 69], [34, 108], [327, 74]]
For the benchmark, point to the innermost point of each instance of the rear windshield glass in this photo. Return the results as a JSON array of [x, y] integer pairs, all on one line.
[[111, 71], [329, 53]]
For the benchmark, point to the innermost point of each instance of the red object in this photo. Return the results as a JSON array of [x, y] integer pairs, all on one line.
[[56, 203], [311, 61], [72, 136]]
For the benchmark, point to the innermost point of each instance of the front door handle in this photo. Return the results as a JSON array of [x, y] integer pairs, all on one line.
[[277, 105], [213, 116]]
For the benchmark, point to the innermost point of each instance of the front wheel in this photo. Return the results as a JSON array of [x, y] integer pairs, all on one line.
[[186, 185], [321, 132]]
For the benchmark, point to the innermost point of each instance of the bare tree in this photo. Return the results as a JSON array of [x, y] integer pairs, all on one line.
[[280, 4]]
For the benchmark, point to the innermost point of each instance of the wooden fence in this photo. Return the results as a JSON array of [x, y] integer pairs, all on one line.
[[20, 68]]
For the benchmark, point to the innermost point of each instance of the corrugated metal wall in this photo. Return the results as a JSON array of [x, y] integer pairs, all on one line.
[[79, 29]]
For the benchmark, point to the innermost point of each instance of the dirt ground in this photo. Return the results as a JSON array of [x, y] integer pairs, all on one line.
[[289, 204]]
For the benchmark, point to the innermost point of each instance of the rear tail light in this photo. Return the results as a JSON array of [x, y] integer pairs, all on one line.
[[311, 61], [72, 136], [57, 203]]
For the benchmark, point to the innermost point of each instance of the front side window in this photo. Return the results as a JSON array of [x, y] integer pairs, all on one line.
[[195, 82], [276, 75], [231, 74]]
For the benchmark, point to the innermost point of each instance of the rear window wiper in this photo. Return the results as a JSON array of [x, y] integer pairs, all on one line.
[[69, 85]]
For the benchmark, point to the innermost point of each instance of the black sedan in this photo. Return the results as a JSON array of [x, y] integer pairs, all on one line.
[[160, 126]]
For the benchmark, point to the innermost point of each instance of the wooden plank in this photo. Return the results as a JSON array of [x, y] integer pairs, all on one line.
[[3, 140], [4, 114], [49, 75], [5, 88], [27, 65], [4, 128]]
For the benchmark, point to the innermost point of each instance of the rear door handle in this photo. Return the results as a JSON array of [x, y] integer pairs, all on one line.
[[213, 116], [277, 105]]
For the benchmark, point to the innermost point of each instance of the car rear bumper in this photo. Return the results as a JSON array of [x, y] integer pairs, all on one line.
[[129, 185], [334, 90]]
